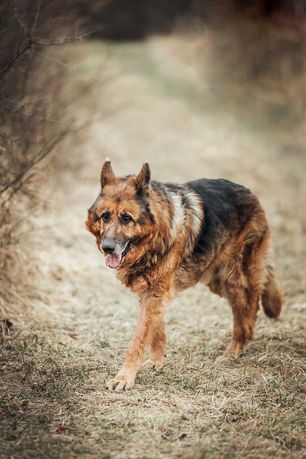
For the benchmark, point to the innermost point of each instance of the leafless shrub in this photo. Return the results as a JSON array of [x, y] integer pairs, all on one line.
[[257, 49], [32, 125]]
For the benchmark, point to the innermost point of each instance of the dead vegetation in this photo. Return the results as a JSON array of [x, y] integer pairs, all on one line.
[[254, 58], [258, 68], [32, 126]]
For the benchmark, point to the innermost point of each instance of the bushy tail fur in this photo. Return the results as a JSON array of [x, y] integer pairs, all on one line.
[[271, 297]]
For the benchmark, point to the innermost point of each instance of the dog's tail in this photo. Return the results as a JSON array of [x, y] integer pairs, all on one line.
[[271, 296]]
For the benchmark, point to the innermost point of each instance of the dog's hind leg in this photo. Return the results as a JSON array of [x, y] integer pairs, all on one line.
[[244, 296], [244, 307]]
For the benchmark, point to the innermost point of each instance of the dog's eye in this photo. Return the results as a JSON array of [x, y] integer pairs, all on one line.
[[125, 219], [105, 216]]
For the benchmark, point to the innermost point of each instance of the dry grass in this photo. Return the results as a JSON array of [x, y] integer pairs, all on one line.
[[32, 126], [255, 67], [53, 398]]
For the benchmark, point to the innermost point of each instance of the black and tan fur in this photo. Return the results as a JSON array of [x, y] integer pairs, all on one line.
[[166, 237]]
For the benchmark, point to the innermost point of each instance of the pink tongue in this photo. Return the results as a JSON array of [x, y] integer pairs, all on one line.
[[112, 260]]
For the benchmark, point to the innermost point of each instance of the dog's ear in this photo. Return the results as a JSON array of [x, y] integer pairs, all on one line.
[[91, 221], [143, 178], [107, 175]]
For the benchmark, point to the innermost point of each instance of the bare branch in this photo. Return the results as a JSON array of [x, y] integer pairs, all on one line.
[[61, 41], [36, 159], [10, 65], [34, 24], [22, 24]]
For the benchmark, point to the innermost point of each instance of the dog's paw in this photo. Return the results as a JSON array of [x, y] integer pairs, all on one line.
[[234, 349], [232, 353], [121, 382], [154, 363]]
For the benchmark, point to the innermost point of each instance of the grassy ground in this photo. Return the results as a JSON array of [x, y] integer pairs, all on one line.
[[53, 401]]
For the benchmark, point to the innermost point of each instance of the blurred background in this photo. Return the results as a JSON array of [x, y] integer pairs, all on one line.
[[199, 89]]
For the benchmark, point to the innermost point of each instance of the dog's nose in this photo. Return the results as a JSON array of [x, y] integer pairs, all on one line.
[[108, 246]]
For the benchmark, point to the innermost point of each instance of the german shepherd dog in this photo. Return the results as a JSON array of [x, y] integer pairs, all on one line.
[[164, 237]]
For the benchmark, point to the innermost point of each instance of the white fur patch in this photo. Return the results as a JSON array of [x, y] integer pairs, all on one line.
[[197, 211], [178, 214]]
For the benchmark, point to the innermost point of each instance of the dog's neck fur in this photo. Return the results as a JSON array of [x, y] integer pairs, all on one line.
[[178, 217]]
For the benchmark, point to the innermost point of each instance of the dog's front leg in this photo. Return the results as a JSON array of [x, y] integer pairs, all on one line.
[[150, 314], [158, 343]]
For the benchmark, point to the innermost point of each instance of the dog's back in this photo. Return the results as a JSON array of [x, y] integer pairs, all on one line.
[[228, 207]]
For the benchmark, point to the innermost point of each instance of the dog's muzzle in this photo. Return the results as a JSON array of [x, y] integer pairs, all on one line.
[[114, 252]]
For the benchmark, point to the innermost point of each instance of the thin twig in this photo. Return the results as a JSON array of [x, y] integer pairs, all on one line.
[[46, 149]]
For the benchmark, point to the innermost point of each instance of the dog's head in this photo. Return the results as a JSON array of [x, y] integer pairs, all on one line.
[[121, 217]]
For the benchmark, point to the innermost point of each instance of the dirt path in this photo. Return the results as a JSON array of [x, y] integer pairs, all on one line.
[[249, 408]]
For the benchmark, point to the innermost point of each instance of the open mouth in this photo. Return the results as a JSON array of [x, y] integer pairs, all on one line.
[[114, 260]]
